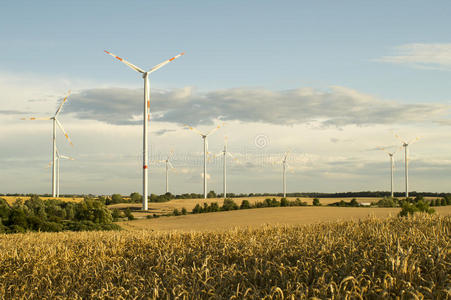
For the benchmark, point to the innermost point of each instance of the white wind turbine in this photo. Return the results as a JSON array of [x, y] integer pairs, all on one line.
[[406, 144], [224, 154], [54, 151], [146, 116], [168, 164], [284, 166], [204, 137], [392, 165], [58, 157]]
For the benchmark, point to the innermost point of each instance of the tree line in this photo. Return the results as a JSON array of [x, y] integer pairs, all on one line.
[[53, 215]]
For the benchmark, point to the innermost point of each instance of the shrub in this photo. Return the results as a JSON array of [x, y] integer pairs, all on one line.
[[116, 198], [316, 202], [136, 197], [116, 214], [184, 211], [411, 208], [284, 202], [229, 204], [197, 209], [128, 214], [245, 204]]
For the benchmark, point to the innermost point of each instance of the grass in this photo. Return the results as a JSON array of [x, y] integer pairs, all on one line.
[[372, 258]]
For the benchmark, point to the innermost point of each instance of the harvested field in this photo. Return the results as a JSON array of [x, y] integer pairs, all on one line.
[[254, 218], [12, 199]]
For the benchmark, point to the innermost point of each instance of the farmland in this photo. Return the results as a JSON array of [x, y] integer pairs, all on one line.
[[254, 218], [371, 258]]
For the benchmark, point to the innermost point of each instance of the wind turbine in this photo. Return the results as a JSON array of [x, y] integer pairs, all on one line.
[[146, 116], [55, 123], [58, 157], [284, 164], [204, 137], [392, 164], [224, 154], [406, 144], [168, 163]]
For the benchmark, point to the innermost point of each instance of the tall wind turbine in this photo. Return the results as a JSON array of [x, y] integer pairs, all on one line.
[[204, 138], [58, 158], [224, 154], [146, 116], [55, 123], [168, 164], [284, 164], [406, 144], [392, 165]]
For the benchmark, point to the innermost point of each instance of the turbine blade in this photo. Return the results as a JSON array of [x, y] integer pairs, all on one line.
[[137, 69], [34, 119], [67, 157], [62, 103], [194, 129], [214, 129], [169, 163], [414, 140], [64, 132], [398, 137], [165, 63]]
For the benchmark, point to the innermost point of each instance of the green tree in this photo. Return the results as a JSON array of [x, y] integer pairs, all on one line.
[[116, 198], [229, 204], [211, 194], [184, 211], [245, 204], [176, 212], [316, 202], [136, 197], [128, 214], [284, 202]]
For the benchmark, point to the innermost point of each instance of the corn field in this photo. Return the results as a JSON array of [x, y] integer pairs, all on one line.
[[409, 258]]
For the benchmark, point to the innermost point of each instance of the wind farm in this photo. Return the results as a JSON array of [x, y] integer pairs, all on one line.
[[275, 155]]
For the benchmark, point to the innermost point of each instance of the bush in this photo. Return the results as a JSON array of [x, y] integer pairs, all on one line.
[[316, 202], [411, 208], [116, 198], [128, 214], [245, 204], [284, 202], [229, 204], [184, 211], [176, 212], [136, 197], [116, 214], [197, 209]]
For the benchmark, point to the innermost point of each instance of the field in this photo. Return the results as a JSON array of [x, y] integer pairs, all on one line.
[[12, 199], [373, 258], [189, 204], [254, 218]]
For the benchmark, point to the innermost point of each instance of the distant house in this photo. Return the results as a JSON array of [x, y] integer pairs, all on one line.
[[365, 204]]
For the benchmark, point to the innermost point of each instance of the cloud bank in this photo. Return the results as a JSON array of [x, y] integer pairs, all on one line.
[[338, 106]]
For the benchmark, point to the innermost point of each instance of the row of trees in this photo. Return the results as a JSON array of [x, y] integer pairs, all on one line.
[[54, 215], [395, 202]]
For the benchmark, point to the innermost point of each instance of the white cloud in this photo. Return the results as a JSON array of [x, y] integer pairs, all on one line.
[[425, 56]]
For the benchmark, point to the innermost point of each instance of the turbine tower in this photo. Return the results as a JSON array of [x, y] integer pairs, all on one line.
[[146, 117], [204, 138], [406, 144], [54, 150], [168, 164], [224, 154], [392, 166], [284, 164], [58, 157]]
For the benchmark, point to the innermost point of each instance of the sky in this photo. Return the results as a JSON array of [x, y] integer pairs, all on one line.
[[331, 82]]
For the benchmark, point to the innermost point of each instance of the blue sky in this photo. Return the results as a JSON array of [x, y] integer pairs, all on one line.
[[251, 45]]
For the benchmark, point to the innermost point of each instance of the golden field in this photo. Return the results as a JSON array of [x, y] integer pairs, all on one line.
[[404, 258], [168, 207], [12, 199], [254, 218]]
